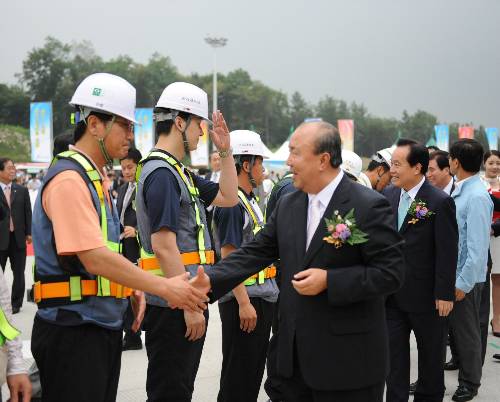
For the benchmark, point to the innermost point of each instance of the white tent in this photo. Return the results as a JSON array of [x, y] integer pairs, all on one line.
[[282, 153]]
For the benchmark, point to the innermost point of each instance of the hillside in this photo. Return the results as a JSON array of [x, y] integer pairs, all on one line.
[[15, 143]]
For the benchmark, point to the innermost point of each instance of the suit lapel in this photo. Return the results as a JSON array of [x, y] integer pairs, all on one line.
[[13, 192], [2, 198], [120, 198], [340, 196], [394, 200], [299, 218]]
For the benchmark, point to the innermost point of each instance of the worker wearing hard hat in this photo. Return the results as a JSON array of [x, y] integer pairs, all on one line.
[[81, 282], [378, 172], [247, 311], [352, 165], [173, 232]]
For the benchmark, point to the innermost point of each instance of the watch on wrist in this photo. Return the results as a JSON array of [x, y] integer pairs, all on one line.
[[225, 153]]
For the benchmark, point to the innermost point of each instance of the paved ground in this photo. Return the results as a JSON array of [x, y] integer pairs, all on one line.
[[134, 363]]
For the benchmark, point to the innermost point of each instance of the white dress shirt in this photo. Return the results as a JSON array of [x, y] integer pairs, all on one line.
[[215, 176], [4, 186], [126, 201], [413, 191], [448, 187], [324, 197]]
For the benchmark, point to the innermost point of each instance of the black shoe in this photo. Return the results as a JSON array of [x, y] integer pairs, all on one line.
[[463, 394], [496, 356], [16, 310], [129, 344], [413, 387], [451, 365]]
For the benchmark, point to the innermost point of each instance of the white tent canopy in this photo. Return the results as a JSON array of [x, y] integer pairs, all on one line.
[[282, 153]]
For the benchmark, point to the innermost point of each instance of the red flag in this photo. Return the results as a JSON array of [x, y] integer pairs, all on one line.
[[466, 132]]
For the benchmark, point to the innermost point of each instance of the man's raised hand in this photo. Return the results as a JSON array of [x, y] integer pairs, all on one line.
[[180, 294], [220, 133]]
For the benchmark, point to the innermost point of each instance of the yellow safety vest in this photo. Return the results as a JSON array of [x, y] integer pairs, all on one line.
[[148, 261], [7, 331], [79, 287], [268, 272]]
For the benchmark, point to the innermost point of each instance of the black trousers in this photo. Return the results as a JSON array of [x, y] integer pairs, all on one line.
[[296, 390], [430, 332], [243, 353], [77, 364], [173, 359], [17, 257], [484, 314], [272, 385]]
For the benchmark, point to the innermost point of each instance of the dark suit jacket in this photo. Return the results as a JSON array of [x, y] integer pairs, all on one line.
[[20, 207], [430, 251], [130, 246], [339, 335]]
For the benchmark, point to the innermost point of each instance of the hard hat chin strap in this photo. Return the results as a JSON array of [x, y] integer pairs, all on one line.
[[250, 177], [108, 161], [184, 137], [251, 164]]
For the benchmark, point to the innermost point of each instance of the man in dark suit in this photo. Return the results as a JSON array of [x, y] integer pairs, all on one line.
[[130, 246], [332, 338], [438, 173], [425, 217], [439, 176], [15, 228]]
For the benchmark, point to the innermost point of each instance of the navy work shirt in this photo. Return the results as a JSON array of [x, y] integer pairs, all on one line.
[[162, 196]]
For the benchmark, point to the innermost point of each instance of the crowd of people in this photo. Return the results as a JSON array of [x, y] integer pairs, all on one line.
[[322, 276]]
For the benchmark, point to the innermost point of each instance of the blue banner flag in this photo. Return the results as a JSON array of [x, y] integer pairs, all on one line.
[[41, 131], [492, 137], [442, 136], [143, 131]]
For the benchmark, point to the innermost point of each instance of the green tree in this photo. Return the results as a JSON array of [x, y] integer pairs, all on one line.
[[299, 109], [418, 126], [14, 105]]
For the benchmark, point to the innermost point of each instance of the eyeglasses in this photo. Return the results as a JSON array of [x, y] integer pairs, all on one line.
[[126, 125]]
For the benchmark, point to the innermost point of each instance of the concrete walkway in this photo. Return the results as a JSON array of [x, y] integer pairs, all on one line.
[[134, 363]]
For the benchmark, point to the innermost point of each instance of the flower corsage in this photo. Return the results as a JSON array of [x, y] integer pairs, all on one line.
[[418, 211], [342, 230]]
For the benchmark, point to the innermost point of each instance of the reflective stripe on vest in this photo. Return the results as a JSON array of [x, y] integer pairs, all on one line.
[[104, 285], [193, 192], [7, 331], [268, 272]]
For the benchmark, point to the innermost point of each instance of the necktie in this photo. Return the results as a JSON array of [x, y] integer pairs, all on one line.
[[126, 200], [313, 222], [7, 196], [404, 204]]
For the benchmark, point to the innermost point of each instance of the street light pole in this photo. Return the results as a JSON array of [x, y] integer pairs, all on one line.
[[215, 43]]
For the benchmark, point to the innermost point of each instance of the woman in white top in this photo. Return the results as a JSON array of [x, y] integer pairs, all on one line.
[[492, 182]]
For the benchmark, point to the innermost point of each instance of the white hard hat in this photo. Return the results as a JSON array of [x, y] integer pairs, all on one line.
[[246, 142], [385, 155], [351, 163], [108, 93], [184, 97]]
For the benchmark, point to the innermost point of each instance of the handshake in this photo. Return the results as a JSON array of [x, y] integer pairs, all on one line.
[[188, 294]]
